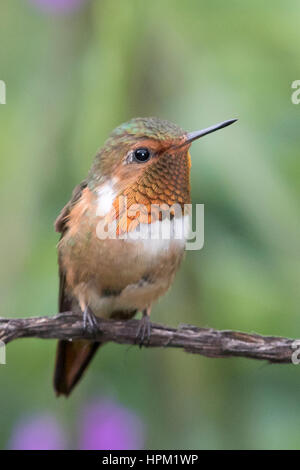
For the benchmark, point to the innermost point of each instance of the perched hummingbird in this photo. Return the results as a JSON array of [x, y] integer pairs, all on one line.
[[144, 162]]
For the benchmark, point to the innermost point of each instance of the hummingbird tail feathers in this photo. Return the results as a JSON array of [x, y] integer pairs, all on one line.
[[72, 358]]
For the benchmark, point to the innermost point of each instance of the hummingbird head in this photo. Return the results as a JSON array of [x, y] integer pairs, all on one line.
[[147, 160]]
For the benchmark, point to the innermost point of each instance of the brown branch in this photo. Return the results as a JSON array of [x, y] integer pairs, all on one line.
[[205, 341]]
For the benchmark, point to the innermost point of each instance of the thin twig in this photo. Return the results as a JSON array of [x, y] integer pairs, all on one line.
[[205, 341]]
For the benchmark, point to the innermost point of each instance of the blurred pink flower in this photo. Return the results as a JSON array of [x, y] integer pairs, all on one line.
[[103, 425], [58, 5], [106, 425], [40, 432]]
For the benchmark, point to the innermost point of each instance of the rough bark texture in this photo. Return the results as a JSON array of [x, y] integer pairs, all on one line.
[[205, 341]]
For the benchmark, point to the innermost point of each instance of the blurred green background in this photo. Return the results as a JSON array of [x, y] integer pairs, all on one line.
[[71, 77]]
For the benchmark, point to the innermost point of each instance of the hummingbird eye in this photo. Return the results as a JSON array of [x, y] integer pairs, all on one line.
[[141, 155]]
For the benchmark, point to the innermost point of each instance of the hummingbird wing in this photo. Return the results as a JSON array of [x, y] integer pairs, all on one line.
[[72, 357], [60, 222], [64, 303]]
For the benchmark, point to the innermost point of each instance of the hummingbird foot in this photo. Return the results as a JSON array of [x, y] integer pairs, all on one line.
[[90, 321], [144, 329]]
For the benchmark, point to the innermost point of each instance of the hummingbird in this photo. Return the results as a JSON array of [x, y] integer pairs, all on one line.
[[144, 162]]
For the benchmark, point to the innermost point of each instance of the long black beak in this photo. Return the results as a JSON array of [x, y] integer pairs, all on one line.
[[197, 134]]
